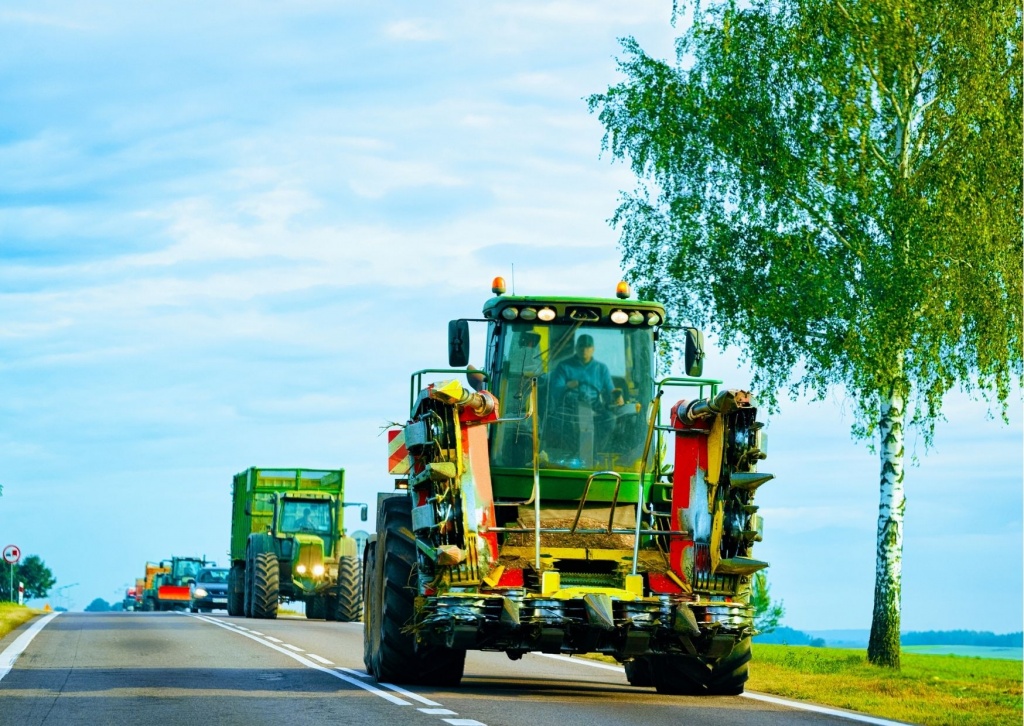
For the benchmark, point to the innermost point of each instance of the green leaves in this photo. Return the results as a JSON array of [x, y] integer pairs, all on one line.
[[834, 187]]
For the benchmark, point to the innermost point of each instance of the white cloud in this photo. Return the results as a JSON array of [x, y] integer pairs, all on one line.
[[418, 29]]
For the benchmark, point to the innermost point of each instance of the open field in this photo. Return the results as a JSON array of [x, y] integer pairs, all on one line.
[[970, 651], [11, 616], [935, 690]]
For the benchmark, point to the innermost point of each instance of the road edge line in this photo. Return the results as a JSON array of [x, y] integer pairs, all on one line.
[[15, 649], [797, 705]]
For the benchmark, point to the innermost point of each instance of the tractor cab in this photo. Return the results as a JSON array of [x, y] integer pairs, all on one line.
[[587, 366]]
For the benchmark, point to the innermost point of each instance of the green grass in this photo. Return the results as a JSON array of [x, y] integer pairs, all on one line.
[[931, 690], [935, 690], [11, 616]]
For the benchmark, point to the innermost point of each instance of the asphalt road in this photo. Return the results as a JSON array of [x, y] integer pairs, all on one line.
[[167, 669]]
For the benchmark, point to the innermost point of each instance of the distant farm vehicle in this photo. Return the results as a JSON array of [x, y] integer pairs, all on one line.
[[167, 583], [288, 543]]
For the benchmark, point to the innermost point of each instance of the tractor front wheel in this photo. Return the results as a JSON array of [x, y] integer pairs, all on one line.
[[266, 586], [348, 605], [398, 658]]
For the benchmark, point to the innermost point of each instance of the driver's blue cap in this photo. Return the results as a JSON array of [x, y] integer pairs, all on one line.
[[585, 341]]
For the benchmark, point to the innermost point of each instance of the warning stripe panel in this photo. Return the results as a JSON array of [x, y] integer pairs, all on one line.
[[398, 455]]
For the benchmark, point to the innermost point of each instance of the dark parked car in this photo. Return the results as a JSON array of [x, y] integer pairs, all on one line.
[[210, 590]]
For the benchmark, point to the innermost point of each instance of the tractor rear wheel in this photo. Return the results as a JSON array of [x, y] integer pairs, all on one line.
[[371, 619], [349, 600], [266, 586], [730, 673], [315, 607], [236, 594], [685, 675], [250, 565], [399, 658], [638, 672]]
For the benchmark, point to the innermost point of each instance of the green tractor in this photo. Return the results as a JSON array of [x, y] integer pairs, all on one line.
[[557, 505], [288, 543]]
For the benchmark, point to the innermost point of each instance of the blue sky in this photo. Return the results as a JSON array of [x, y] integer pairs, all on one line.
[[229, 233]]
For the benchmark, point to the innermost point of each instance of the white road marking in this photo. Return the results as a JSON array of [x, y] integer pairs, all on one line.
[[12, 651], [296, 648], [862, 718], [307, 662], [410, 694], [272, 639], [360, 674], [582, 661], [318, 659], [463, 722], [437, 711]]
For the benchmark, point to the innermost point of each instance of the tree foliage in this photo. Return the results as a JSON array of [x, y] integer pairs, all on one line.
[[99, 605], [834, 186], [767, 614], [34, 573]]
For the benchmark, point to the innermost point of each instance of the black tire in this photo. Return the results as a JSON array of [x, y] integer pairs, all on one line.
[[348, 605], [729, 674], [194, 610], [638, 672], [315, 608], [247, 585], [684, 675], [371, 628], [148, 605], [266, 586], [236, 596], [398, 659]]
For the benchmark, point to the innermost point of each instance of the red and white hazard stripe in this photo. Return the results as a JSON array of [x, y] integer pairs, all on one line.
[[398, 455]]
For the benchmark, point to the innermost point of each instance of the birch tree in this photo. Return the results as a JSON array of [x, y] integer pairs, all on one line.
[[834, 186]]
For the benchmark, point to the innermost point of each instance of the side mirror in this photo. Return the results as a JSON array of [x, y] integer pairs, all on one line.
[[458, 343], [694, 355], [248, 507]]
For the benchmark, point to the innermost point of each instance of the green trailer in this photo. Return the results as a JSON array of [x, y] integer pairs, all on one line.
[[288, 544]]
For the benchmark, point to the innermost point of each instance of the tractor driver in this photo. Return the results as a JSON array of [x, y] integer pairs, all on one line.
[[581, 373], [306, 520]]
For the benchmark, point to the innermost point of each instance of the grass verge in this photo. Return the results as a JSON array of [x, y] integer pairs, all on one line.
[[931, 690], [11, 616], [934, 690]]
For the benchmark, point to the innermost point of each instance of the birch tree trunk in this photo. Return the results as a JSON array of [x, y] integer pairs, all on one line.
[[884, 644]]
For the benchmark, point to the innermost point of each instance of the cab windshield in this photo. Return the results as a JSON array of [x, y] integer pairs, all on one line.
[[595, 386], [306, 516]]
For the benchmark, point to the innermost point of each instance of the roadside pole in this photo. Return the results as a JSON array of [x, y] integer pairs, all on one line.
[[12, 553]]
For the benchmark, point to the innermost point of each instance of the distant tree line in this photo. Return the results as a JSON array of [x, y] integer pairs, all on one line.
[[963, 637], [790, 636]]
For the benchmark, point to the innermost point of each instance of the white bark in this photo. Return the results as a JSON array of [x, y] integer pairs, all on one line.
[[885, 625]]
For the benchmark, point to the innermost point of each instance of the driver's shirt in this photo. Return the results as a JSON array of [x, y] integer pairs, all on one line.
[[593, 378]]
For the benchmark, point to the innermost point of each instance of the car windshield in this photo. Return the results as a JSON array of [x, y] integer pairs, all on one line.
[[306, 516], [595, 386], [213, 576]]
